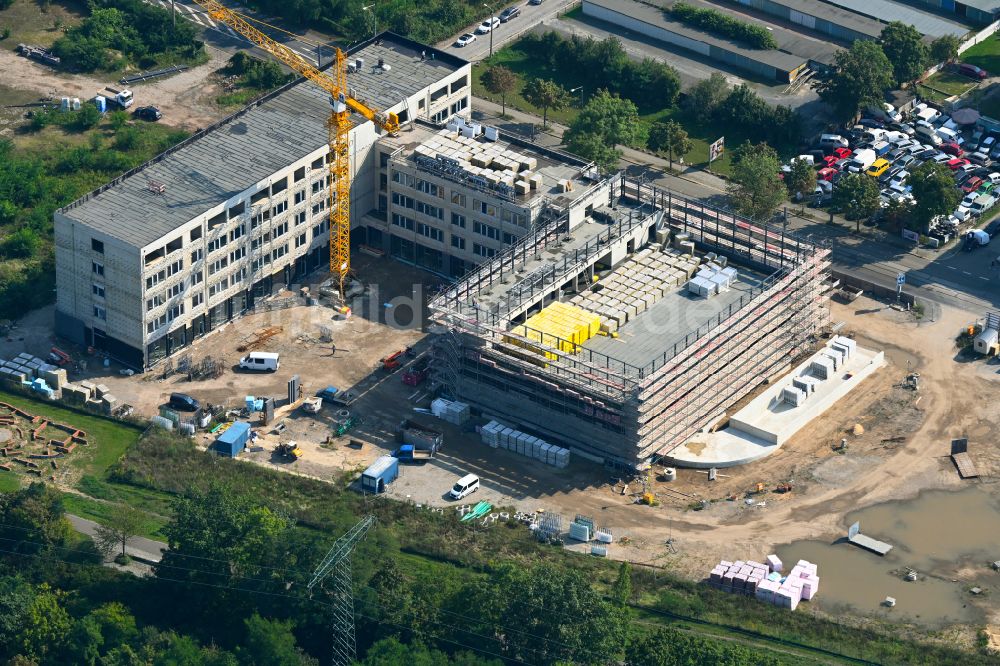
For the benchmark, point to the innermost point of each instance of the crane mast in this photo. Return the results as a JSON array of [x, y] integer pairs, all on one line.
[[338, 127]]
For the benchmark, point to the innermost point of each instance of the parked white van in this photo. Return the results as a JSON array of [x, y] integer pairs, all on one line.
[[465, 486], [262, 361], [982, 204], [927, 133], [950, 135]]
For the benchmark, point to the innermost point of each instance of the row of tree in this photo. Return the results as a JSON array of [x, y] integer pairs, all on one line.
[[867, 70], [604, 64]]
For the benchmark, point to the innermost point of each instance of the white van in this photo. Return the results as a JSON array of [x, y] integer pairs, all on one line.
[[982, 204], [465, 486], [832, 141], [927, 133], [950, 135], [262, 361]]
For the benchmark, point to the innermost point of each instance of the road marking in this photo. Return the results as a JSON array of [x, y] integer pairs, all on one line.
[[951, 268], [966, 273]]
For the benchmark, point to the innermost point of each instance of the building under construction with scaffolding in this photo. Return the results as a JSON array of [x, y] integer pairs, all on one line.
[[623, 333]]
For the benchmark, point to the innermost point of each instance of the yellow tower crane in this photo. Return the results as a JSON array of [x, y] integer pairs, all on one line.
[[338, 127]]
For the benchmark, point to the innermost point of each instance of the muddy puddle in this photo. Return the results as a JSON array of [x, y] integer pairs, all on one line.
[[938, 534]]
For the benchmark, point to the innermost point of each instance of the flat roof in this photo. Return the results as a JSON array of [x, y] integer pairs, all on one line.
[[644, 339], [991, 6], [653, 16], [225, 159], [835, 15], [888, 11], [789, 41], [552, 166]]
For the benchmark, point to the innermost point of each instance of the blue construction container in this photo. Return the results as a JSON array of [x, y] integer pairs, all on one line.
[[233, 440], [382, 472]]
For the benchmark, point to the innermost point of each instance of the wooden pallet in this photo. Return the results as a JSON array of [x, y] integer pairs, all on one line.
[[966, 468]]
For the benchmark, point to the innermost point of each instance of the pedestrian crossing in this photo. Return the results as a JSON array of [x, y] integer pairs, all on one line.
[[197, 15]]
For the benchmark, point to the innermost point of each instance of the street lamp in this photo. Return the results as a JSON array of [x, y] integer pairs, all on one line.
[[580, 90], [371, 8], [492, 19]]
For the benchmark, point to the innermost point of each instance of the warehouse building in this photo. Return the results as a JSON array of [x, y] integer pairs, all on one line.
[[175, 248], [927, 23], [459, 195], [784, 64], [837, 22], [979, 12], [621, 333]]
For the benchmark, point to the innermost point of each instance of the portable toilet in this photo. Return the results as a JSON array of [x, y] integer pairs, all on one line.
[[102, 103], [233, 440], [380, 474]]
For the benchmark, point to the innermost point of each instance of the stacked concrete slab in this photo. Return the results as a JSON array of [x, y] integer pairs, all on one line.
[[765, 582], [636, 285], [497, 435]]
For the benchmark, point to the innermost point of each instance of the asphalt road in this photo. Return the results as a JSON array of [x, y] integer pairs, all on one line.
[[139, 547], [531, 16]]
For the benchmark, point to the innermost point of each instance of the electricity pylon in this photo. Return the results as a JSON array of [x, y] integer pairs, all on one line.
[[338, 562]]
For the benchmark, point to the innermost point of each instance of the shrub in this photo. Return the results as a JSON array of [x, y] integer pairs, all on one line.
[[714, 21]]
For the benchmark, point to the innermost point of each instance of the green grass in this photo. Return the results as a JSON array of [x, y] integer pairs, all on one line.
[[985, 54], [107, 439], [103, 512], [946, 84], [990, 107], [239, 98], [9, 482], [30, 23]]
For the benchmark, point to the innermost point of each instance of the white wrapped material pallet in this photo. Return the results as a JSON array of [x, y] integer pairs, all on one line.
[[774, 563], [579, 532]]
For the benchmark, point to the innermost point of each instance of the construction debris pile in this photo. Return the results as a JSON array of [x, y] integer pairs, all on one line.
[[765, 582], [497, 435]]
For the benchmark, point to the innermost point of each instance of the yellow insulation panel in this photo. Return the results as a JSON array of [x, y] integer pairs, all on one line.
[[560, 326]]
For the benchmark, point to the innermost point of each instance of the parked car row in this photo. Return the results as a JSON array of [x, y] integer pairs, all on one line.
[[884, 147], [492, 23]]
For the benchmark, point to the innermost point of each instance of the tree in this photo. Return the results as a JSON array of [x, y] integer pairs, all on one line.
[[238, 542], [896, 214], [863, 75], [21, 244], [124, 524], [944, 48], [557, 614], [33, 519], [606, 121], [857, 196], [670, 137], [46, 625], [801, 179], [704, 97], [270, 642], [391, 652], [499, 80], [621, 591], [652, 84], [545, 95], [755, 189], [934, 192], [903, 45]]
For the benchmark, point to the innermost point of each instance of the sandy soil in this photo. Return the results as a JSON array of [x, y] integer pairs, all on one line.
[[187, 100]]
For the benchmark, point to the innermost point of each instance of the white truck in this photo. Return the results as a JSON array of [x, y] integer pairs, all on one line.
[[123, 98]]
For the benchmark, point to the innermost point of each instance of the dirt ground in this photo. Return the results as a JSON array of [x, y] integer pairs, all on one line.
[[902, 451], [187, 100]]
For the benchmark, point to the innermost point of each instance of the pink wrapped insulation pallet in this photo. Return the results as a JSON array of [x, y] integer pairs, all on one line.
[[725, 563], [739, 582], [773, 563], [810, 587], [727, 579]]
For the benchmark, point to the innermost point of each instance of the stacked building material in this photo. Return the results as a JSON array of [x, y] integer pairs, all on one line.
[[497, 435], [74, 395], [559, 326], [712, 279], [635, 286], [765, 582], [453, 412]]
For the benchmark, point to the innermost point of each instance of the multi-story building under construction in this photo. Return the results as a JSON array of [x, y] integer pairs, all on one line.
[[622, 333]]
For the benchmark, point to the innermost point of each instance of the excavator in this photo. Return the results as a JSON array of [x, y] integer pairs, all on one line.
[[333, 81]]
